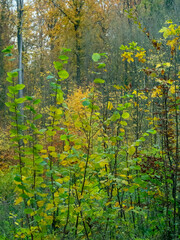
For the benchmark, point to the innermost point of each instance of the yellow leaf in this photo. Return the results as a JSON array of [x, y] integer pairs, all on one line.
[[43, 151], [43, 185], [66, 148], [130, 177], [110, 105], [108, 203], [123, 175], [19, 200], [78, 209], [172, 89], [116, 204], [82, 165], [125, 115], [49, 217], [103, 162], [61, 190], [168, 64], [117, 87], [59, 111], [128, 56], [51, 148], [131, 150], [66, 179], [28, 202], [125, 182], [30, 194], [77, 146], [59, 180], [53, 154], [56, 194], [40, 203], [25, 141], [42, 194], [49, 206], [130, 208], [62, 156]]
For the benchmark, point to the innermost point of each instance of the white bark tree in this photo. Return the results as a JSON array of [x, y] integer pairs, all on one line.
[[20, 50]]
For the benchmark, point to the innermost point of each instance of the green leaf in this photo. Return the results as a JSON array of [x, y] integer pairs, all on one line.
[[30, 98], [63, 74], [99, 80], [122, 47], [8, 49], [125, 115], [123, 123], [20, 86], [9, 79], [86, 103], [66, 49], [12, 59], [28, 210], [59, 96], [38, 146], [37, 117], [169, 21], [96, 57], [152, 131], [15, 70], [10, 95], [145, 134], [49, 77], [138, 180], [17, 179], [101, 65], [12, 90], [8, 55], [104, 55], [42, 130], [37, 101], [58, 184], [115, 116], [58, 65], [9, 104], [166, 32], [63, 137], [20, 100], [145, 177], [63, 57], [127, 105], [135, 167], [142, 139], [12, 74], [55, 86]]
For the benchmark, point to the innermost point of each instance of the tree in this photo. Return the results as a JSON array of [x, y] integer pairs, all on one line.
[[5, 36], [20, 49]]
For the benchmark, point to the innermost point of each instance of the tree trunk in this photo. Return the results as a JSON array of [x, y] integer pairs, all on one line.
[[20, 50]]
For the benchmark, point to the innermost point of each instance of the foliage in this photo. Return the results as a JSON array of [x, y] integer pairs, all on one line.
[[102, 166]]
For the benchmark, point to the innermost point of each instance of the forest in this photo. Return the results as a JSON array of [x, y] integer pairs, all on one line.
[[89, 119]]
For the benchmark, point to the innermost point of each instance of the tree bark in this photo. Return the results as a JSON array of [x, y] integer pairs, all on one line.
[[20, 51]]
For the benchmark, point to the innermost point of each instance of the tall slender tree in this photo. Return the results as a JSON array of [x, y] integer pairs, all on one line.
[[20, 4]]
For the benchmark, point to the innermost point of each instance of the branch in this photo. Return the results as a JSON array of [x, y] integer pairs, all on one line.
[[63, 12]]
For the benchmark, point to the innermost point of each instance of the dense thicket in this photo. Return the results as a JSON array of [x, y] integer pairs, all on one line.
[[90, 119]]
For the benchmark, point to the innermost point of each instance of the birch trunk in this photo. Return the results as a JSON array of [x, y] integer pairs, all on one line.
[[20, 50]]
